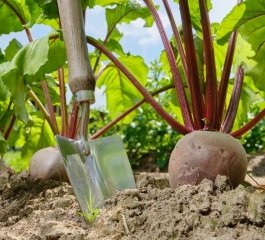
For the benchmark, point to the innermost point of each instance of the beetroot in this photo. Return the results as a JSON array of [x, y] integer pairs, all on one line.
[[205, 154], [48, 164]]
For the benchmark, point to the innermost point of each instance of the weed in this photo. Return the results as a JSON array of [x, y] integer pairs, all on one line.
[[92, 212]]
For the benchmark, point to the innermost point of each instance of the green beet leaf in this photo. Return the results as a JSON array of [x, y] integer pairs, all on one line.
[[38, 58], [116, 34], [120, 93], [31, 63], [4, 92], [2, 56], [12, 49], [195, 14], [112, 45], [5, 115], [253, 33], [31, 57], [104, 3], [35, 11], [53, 88], [247, 98], [37, 137], [18, 98], [198, 43], [219, 55], [56, 56], [16, 137], [3, 144], [248, 17], [164, 64], [127, 12], [115, 46], [16, 86], [247, 11], [8, 75], [49, 8], [13, 13]]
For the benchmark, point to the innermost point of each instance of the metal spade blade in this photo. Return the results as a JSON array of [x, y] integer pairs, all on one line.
[[98, 176]]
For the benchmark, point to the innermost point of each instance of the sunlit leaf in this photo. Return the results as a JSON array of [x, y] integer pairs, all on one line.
[[37, 137], [116, 34], [246, 99], [15, 84], [5, 114], [12, 49], [127, 12], [174, 105], [4, 92], [29, 59], [13, 13], [248, 17], [2, 56], [120, 92], [254, 66], [56, 56], [3, 144], [35, 11], [115, 46], [166, 67], [104, 3], [53, 23], [49, 8], [250, 54], [164, 63], [247, 11], [18, 98], [16, 138], [39, 57], [53, 88], [8, 75], [195, 13], [200, 58], [219, 54]]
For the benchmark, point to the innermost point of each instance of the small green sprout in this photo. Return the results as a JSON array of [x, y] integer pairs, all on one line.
[[205, 120], [92, 212]]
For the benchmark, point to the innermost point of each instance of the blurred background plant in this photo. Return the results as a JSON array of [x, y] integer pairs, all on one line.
[[24, 128], [254, 140], [146, 138]]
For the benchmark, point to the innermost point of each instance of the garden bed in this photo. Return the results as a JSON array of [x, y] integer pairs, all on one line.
[[48, 210]]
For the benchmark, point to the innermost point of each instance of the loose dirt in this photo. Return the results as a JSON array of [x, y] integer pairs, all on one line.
[[48, 210]]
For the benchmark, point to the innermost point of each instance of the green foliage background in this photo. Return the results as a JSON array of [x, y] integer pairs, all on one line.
[[25, 68]]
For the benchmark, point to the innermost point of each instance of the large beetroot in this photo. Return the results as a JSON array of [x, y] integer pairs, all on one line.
[[209, 147], [205, 154]]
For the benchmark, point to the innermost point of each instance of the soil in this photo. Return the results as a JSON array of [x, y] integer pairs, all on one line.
[[38, 209]]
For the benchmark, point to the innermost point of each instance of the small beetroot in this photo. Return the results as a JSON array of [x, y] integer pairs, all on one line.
[[48, 164]]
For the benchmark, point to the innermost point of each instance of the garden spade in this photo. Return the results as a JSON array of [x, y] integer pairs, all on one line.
[[96, 168]]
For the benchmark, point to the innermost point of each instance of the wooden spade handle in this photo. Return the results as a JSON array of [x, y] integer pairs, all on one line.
[[81, 76]]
